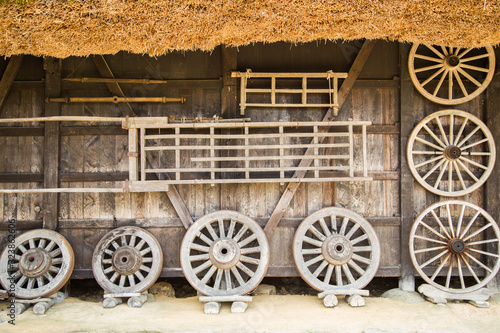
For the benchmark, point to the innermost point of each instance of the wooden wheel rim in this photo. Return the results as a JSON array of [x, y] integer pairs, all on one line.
[[127, 260], [358, 258], [48, 263], [454, 243], [450, 67], [224, 253], [436, 150]]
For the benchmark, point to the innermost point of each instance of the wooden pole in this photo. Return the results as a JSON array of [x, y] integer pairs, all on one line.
[[345, 89], [407, 279], [9, 76], [53, 67]]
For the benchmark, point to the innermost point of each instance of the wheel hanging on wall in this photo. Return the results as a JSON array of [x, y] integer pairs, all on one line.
[[451, 153], [127, 260], [455, 247], [450, 75], [336, 248], [224, 253], [40, 264]]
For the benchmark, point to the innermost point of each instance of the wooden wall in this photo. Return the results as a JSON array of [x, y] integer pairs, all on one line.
[[95, 155]]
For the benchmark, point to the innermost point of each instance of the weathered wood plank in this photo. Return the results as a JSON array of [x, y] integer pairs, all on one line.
[[407, 281], [51, 142], [9, 76], [344, 90]]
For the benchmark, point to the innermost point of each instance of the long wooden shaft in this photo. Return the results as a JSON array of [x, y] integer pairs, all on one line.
[[115, 99], [345, 89]]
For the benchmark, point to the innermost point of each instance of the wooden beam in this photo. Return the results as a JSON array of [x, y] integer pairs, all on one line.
[[493, 183], [114, 87], [176, 200], [9, 76], [407, 116], [344, 91], [53, 67]]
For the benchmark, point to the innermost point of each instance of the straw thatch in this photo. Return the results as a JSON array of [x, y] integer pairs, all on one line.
[[62, 28]]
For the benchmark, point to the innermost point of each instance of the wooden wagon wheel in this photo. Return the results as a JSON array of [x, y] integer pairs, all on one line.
[[127, 260], [224, 253], [39, 264], [454, 246], [448, 75], [336, 248], [451, 153]]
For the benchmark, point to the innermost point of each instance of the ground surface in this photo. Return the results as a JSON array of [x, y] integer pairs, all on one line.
[[267, 313]]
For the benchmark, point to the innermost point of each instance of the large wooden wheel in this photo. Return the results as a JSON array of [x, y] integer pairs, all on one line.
[[454, 246], [224, 253], [448, 75], [451, 153], [39, 264], [336, 248], [127, 260]]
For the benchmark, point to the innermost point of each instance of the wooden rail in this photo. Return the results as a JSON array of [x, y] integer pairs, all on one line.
[[331, 89]]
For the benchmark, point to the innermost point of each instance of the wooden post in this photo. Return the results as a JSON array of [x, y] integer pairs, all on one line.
[[52, 68], [407, 279], [493, 183], [345, 89], [229, 59], [9, 76]]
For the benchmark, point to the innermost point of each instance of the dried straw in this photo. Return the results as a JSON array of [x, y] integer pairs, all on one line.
[[63, 28]]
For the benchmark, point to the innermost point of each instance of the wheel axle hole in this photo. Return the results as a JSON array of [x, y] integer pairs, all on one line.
[[339, 248], [124, 259], [31, 259], [223, 251]]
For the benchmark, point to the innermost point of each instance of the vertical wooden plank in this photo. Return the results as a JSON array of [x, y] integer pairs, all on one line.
[[52, 68], [493, 183], [9, 76], [407, 280], [229, 59], [133, 148]]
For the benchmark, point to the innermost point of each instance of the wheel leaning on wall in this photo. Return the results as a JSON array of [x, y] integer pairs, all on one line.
[[455, 246], [450, 75], [40, 264], [336, 248]]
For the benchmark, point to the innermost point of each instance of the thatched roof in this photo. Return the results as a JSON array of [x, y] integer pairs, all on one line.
[[62, 28]]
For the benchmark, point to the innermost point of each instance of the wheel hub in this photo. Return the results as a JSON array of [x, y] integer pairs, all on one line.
[[126, 260], [225, 253], [452, 153], [35, 262], [456, 246], [453, 60], [337, 250]]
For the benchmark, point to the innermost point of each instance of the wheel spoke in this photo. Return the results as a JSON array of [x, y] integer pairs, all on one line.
[[478, 262], [124, 240], [361, 259], [209, 274], [218, 279], [49, 247], [459, 174], [48, 276], [199, 247], [465, 52], [132, 240], [221, 228], [251, 250], [433, 213], [470, 269], [429, 161], [361, 249], [482, 56], [140, 244], [145, 251], [441, 173], [205, 239], [333, 220], [478, 232], [467, 170], [428, 68], [434, 168], [231, 228], [433, 76], [202, 267], [115, 245], [475, 144], [468, 76], [324, 227], [122, 281], [469, 224], [114, 277], [42, 243], [31, 243], [450, 85], [317, 233], [473, 163], [351, 232], [338, 275], [131, 280], [431, 260], [461, 84], [240, 233], [483, 242], [475, 68], [250, 260], [245, 269], [199, 257], [320, 268], [430, 249], [440, 83], [312, 241], [460, 219], [108, 251], [356, 267], [55, 253], [229, 284], [450, 222], [237, 275], [348, 273], [422, 152], [39, 282], [344, 225], [450, 177], [311, 251], [109, 270], [21, 281], [313, 260], [484, 253], [423, 57], [359, 239], [139, 276], [428, 143], [441, 130], [31, 283], [430, 240], [247, 240], [145, 268], [211, 231], [448, 276], [439, 54], [328, 275], [452, 120], [460, 131]]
